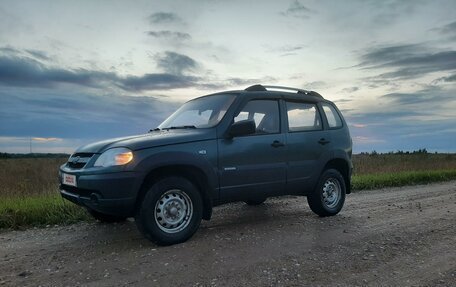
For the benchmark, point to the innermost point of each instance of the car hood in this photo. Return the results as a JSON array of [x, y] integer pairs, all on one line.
[[152, 139]]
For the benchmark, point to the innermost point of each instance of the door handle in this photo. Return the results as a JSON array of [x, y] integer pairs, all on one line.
[[277, 144], [323, 141]]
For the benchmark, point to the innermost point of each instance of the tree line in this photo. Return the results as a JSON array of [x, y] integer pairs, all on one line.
[[32, 155]]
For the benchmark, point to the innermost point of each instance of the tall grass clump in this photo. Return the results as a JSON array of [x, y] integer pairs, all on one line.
[[29, 194], [29, 176], [38, 210], [375, 163]]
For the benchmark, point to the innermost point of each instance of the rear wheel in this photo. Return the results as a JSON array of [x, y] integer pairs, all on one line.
[[170, 212], [106, 218], [329, 196]]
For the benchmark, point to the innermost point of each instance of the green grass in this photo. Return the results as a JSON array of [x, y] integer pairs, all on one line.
[[394, 163], [39, 210], [381, 180]]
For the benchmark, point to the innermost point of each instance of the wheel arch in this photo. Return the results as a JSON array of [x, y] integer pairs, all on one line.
[[192, 173], [343, 166]]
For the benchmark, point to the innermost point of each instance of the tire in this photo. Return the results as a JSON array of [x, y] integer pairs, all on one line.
[[329, 195], [105, 218], [256, 201], [170, 212]]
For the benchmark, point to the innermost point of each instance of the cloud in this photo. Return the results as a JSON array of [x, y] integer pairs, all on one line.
[[4, 139], [451, 78], [24, 145], [448, 79], [37, 54], [178, 69], [27, 72], [350, 90], [366, 140], [170, 35], [316, 85], [49, 115], [424, 118], [40, 55], [157, 82], [252, 81], [431, 95], [401, 131], [297, 10], [23, 71], [401, 111], [46, 139], [286, 48], [447, 30], [407, 61], [175, 63], [215, 83], [389, 12], [9, 50], [360, 126], [290, 48], [164, 18], [385, 54]]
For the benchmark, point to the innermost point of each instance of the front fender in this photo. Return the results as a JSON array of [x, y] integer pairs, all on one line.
[[164, 159], [148, 162]]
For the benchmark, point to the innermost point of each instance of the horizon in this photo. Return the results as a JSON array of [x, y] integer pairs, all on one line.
[[75, 73]]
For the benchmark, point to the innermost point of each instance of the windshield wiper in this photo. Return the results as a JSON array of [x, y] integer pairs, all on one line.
[[155, 130], [180, 127]]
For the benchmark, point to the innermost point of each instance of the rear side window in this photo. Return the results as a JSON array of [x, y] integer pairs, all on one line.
[[332, 115], [303, 117]]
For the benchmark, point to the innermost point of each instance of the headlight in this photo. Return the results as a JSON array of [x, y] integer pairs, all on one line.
[[114, 156]]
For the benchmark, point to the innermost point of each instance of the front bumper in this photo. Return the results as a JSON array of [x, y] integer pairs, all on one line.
[[111, 193]]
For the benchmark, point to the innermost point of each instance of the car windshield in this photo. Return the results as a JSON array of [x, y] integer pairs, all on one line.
[[204, 112]]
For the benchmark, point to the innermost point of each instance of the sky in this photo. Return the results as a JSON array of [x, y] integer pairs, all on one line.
[[74, 72]]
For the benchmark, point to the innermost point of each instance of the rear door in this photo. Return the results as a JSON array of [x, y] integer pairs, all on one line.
[[308, 145], [254, 165]]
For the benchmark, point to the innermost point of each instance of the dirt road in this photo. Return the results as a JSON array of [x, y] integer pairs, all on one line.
[[391, 237]]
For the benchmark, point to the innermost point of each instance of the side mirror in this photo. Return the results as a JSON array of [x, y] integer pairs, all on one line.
[[242, 128]]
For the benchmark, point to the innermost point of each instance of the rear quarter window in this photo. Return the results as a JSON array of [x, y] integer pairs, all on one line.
[[334, 120]]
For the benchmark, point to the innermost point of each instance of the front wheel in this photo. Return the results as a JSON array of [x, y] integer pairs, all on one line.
[[170, 212], [329, 195]]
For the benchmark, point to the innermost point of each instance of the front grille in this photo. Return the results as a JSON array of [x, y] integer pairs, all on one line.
[[79, 160]]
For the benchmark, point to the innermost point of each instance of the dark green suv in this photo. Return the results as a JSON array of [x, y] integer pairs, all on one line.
[[231, 146]]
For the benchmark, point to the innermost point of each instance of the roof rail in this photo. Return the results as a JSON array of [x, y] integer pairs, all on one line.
[[257, 88]]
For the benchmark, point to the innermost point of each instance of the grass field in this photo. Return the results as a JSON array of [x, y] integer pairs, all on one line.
[[29, 190], [394, 163]]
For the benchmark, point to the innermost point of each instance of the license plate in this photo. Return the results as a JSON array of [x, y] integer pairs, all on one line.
[[69, 179]]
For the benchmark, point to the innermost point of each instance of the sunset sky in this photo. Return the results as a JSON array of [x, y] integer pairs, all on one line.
[[73, 72]]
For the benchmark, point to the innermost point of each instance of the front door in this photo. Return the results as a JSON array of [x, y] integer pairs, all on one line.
[[254, 165]]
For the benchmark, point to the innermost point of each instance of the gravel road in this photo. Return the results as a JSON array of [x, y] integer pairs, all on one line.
[[390, 237]]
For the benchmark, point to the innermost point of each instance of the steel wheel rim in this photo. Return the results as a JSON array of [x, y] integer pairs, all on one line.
[[173, 211], [331, 192]]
